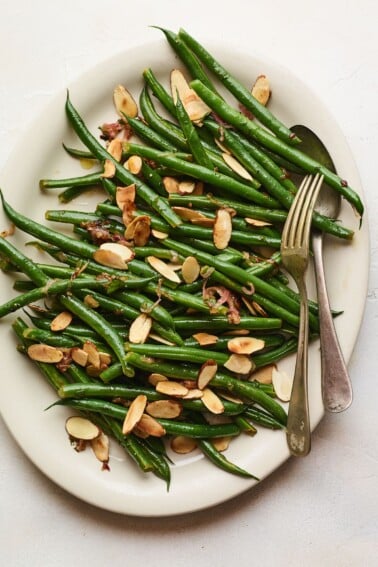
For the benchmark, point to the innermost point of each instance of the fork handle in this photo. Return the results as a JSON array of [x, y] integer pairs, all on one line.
[[298, 423], [336, 385]]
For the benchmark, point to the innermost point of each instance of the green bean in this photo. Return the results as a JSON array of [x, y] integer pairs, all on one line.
[[52, 339], [249, 128], [262, 418], [80, 154], [191, 136], [159, 91], [22, 262], [84, 180], [150, 135], [190, 323], [221, 461], [185, 354], [286, 348], [196, 171], [244, 425], [144, 191], [238, 90], [153, 178], [73, 192]]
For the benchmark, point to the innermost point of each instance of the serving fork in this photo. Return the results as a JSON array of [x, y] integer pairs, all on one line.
[[295, 255]]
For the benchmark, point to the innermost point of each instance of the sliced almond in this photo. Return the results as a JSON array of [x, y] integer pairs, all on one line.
[[125, 194], [207, 222], [193, 104], [109, 169], [165, 409], [204, 339], [160, 339], [134, 164], [221, 443], [115, 149], [61, 321], [237, 333], [113, 255], [163, 269], [105, 358], [171, 388], [206, 373], [93, 354], [79, 356], [155, 377], [230, 398], [282, 384], [149, 426], [249, 305], [261, 89], [199, 188], [81, 428], [91, 302], [263, 375], [222, 146], [140, 329], [222, 230], [190, 269], [257, 222], [134, 413], [41, 352], [245, 345], [128, 212], [212, 402], [259, 310], [159, 234], [186, 187], [124, 102], [236, 166], [171, 184], [100, 447], [139, 230], [193, 394], [183, 445], [239, 363], [189, 214]]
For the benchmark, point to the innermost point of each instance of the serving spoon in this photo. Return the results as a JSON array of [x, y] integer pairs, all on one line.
[[336, 385]]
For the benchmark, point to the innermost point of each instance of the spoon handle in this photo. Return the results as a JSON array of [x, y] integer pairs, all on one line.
[[336, 386]]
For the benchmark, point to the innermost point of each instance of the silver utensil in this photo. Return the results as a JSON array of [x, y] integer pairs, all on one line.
[[295, 255], [336, 385]]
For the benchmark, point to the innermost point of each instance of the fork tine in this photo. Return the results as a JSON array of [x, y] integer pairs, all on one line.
[[304, 221], [290, 220]]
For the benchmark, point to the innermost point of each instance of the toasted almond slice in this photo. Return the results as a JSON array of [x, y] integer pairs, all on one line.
[[100, 447], [190, 269], [206, 373], [236, 166], [140, 329], [163, 269], [41, 352], [183, 445], [171, 388], [160, 339], [155, 377], [150, 426], [124, 102], [263, 375], [199, 188], [282, 384], [159, 234], [115, 149], [221, 443], [221, 146], [188, 214], [230, 398], [165, 409], [128, 212], [113, 255], [79, 356], [134, 164], [239, 363], [257, 222], [249, 305], [205, 339], [142, 231], [207, 222], [109, 169], [259, 310], [190, 384], [93, 371], [134, 413], [222, 229], [261, 89], [130, 229], [237, 333], [171, 184], [212, 402], [93, 354], [245, 345], [193, 394], [91, 302], [193, 104], [105, 358], [61, 321], [186, 187], [125, 194], [81, 428]]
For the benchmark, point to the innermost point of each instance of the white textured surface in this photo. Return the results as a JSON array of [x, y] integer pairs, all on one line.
[[317, 511]]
